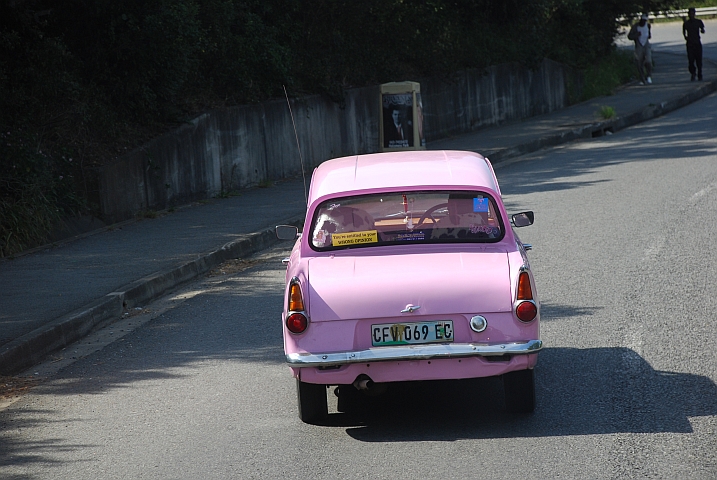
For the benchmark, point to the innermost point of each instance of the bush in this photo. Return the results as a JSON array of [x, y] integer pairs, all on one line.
[[608, 73], [36, 191]]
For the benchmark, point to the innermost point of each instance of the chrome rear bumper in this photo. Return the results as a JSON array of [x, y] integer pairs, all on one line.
[[413, 352]]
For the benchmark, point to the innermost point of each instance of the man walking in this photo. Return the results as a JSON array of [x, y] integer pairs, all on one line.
[[640, 33], [691, 29]]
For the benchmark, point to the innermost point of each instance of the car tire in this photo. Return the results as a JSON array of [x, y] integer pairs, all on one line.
[[519, 388], [349, 399], [313, 406]]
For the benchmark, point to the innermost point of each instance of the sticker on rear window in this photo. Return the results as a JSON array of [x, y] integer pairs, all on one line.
[[354, 238], [493, 231], [412, 236], [480, 205], [320, 238]]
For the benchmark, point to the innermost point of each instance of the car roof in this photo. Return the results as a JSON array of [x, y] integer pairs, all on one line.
[[423, 168]]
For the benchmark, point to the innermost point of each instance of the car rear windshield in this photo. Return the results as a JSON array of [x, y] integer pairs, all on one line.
[[406, 218]]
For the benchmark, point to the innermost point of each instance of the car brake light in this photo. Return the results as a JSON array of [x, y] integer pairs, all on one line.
[[297, 322], [526, 311], [525, 291]]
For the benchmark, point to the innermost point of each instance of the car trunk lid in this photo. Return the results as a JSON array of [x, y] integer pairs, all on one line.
[[350, 287]]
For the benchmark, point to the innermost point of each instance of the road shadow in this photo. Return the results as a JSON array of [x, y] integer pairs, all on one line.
[[550, 311], [561, 169], [579, 392]]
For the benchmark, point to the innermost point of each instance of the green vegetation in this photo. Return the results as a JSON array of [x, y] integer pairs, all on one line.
[[607, 73], [147, 214], [83, 81], [606, 112], [228, 194], [700, 4], [681, 17], [36, 189]]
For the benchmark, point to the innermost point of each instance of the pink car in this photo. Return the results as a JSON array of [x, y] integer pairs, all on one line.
[[408, 269]]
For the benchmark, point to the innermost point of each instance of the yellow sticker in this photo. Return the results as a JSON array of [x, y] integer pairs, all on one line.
[[354, 238]]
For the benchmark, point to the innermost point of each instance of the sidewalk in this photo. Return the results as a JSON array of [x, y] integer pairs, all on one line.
[[54, 296]]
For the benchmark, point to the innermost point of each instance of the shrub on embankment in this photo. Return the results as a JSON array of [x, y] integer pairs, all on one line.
[[83, 81]]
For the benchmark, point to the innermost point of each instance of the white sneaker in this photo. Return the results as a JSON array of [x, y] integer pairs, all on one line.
[[649, 80]]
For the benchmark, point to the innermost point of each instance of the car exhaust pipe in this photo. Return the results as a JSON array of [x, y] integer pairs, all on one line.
[[368, 387], [363, 382]]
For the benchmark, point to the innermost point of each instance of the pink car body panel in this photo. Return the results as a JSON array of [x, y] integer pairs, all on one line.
[[384, 284], [347, 291], [417, 370]]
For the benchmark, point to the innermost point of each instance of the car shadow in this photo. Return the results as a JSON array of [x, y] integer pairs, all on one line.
[[579, 392]]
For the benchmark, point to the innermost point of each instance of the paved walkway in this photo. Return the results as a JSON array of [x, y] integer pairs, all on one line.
[[54, 296]]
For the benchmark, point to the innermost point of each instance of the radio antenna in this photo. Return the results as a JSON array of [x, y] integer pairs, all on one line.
[[301, 158]]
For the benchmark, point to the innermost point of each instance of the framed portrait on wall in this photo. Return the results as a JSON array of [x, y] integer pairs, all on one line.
[[397, 120]]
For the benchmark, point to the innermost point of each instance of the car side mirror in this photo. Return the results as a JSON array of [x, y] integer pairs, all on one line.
[[523, 219], [286, 232]]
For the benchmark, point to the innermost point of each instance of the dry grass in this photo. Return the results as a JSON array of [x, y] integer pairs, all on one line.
[[11, 387], [232, 266]]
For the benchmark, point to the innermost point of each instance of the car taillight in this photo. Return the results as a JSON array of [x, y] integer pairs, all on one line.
[[296, 321], [526, 310], [525, 291], [296, 300]]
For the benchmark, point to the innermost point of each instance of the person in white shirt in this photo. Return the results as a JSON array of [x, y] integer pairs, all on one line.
[[640, 33]]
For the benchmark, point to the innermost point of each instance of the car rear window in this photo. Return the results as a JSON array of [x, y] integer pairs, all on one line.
[[406, 218]]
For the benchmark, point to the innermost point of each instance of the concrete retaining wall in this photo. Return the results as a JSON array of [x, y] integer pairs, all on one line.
[[243, 146], [504, 94]]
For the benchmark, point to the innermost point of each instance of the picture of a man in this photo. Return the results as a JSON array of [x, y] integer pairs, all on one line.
[[396, 134], [397, 127]]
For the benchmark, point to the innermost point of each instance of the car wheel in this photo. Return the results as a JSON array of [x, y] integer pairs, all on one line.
[[313, 407], [349, 399], [519, 388]]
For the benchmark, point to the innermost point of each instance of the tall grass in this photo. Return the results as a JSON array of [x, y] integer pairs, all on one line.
[[36, 190], [603, 77]]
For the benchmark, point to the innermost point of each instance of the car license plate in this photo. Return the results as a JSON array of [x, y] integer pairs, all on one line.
[[411, 333]]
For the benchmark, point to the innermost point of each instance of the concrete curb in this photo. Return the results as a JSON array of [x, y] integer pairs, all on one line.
[[31, 348], [599, 129]]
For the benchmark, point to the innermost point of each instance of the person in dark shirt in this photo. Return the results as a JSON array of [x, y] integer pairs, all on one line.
[[691, 29]]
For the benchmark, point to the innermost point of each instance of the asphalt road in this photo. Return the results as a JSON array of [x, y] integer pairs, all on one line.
[[624, 241]]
